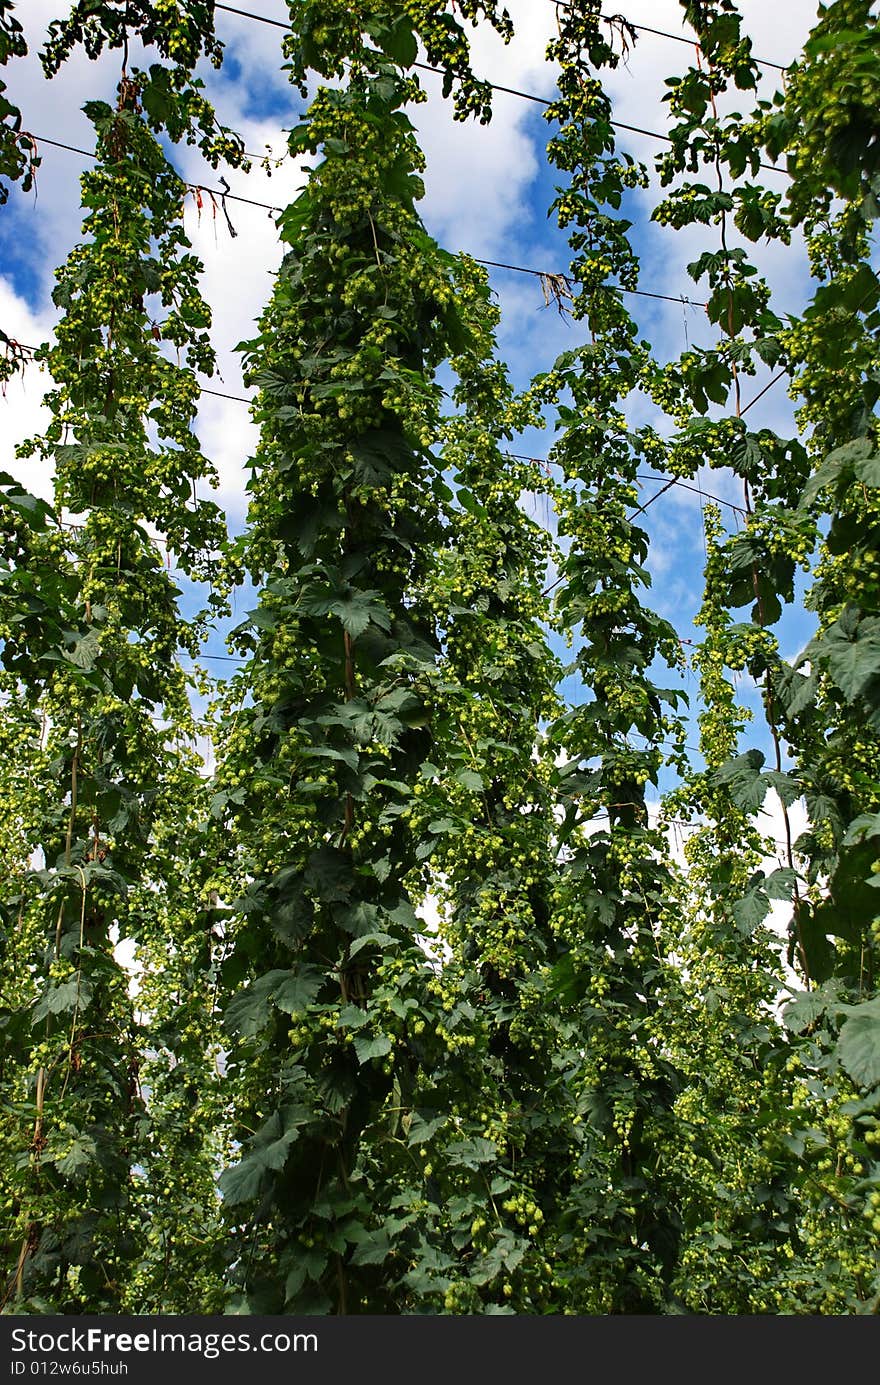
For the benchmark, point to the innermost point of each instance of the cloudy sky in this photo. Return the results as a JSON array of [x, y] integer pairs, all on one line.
[[488, 189]]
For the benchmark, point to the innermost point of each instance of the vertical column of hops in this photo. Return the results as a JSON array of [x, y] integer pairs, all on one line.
[[490, 1123], [614, 885], [179, 924], [758, 566], [754, 567], [735, 1109], [738, 1124], [825, 123], [33, 616], [319, 769], [117, 719]]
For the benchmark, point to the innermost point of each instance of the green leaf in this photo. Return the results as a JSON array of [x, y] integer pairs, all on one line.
[[243, 1181], [249, 1010], [781, 883], [397, 40], [469, 779], [743, 777], [422, 1130], [843, 38], [379, 940], [373, 1251], [298, 990], [868, 470], [64, 999], [352, 1017], [787, 787], [472, 1153], [862, 829], [750, 911], [372, 1048], [852, 652], [329, 873], [859, 1044], [805, 1009], [837, 467], [311, 1264], [291, 991], [358, 611], [78, 1158], [85, 650], [468, 501], [36, 511]]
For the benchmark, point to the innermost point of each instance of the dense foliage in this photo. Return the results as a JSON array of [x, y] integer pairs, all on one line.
[[241, 1069]]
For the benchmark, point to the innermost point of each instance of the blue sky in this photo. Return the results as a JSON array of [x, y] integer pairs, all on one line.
[[488, 190]]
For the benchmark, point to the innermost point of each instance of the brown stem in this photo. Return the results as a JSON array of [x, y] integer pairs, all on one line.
[[26, 1248]]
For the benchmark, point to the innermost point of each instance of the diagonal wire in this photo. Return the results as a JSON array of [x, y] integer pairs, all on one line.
[[221, 193], [494, 86], [646, 29]]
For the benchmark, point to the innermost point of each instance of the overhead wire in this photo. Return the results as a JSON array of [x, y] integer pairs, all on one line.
[[493, 86], [646, 29], [222, 194], [515, 456], [493, 264], [513, 268]]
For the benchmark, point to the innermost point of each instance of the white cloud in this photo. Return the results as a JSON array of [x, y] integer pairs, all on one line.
[[21, 409]]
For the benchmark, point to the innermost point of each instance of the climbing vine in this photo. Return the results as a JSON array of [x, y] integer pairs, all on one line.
[[94, 682], [425, 964]]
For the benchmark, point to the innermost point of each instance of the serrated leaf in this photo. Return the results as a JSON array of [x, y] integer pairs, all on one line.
[[372, 1251], [423, 1130], [804, 1010], [868, 470], [249, 1010], [78, 1157], [352, 1017], [372, 1048], [469, 779], [360, 610], [445, 827], [472, 1153], [827, 43], [859, 1044], [64, 999], [329, 873], [787, 787], [750, 911], [85, 650], [242, 1182], [743, 777], [299, 988], [346, 754], [853, 662], [291, 991], [379, 940], [862, 829], [382, 869], [36, 511], [781, 883]]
